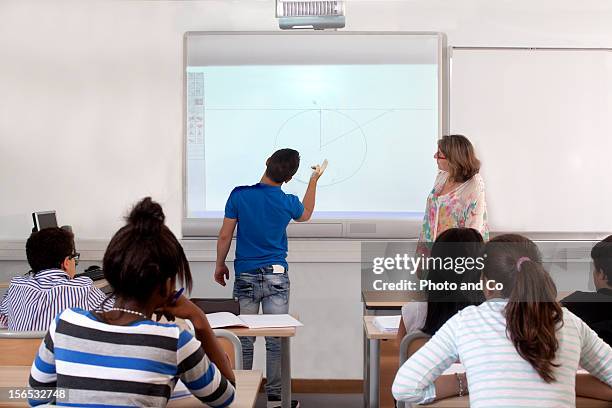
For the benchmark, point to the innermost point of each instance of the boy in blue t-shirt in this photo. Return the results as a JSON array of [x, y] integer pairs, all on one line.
[[262, 213]]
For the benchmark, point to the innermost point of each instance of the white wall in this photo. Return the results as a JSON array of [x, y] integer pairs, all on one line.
[[91, 90], [90, 117]]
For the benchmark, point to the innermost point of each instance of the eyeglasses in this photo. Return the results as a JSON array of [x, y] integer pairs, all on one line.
[[75, 256], [439, 155]]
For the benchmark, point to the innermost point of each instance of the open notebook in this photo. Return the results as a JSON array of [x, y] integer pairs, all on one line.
[[226, 319]]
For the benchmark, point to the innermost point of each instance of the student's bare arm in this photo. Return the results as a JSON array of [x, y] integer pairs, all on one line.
[[186, 309], [223, 245], [448, 385], [309, 200], [311, 191], [589, 386], [401, 332], [213, 349]]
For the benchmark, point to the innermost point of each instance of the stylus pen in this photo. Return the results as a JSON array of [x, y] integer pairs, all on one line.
[[177, 295]]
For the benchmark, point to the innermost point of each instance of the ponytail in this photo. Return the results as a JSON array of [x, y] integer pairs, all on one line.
[[532, 314], [144, 254], [533, 317]]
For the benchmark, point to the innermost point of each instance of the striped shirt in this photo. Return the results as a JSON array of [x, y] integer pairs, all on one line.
[[497, 375], [135, 365], [32, 302]]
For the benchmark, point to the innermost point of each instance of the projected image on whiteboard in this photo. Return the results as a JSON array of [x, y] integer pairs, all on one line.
[[375, 124], [320, 134]]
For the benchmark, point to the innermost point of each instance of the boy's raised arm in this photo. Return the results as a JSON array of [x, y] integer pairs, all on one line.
[[311, 191]]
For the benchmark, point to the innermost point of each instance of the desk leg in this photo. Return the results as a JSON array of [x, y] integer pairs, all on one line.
[[374, 368], [285, 372], [366, 371]]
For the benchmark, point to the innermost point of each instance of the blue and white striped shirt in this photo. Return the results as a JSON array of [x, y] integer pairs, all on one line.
[[497, 375], [32, 302], [133, 365]]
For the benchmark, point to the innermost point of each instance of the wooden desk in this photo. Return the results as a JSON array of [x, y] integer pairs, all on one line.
[[285, 334], [371, 359], [384, 300], [464, 402], [247, 387], [100, 283]]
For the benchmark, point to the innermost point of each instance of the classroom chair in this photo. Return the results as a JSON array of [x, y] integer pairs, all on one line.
[[232, 347], [408, 346]]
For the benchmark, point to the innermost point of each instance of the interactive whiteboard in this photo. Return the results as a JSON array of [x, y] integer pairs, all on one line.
[[369, 104]]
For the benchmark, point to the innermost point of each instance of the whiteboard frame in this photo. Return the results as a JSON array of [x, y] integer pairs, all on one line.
[[534, 235], [320, 228]]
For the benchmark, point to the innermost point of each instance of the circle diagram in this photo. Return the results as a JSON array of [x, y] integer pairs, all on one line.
[[320, 134]]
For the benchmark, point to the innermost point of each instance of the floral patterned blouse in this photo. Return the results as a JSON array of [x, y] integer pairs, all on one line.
[[464, 206]]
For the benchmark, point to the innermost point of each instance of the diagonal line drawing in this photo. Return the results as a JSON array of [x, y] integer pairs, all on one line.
[[359, 126]]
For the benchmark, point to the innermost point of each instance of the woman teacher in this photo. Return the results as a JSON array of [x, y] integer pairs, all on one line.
[[457, 199]]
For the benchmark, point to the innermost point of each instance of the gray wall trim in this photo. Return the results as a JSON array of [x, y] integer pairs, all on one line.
[[316, 250]]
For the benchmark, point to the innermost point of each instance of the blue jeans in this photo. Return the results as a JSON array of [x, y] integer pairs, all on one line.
[[270, 289]]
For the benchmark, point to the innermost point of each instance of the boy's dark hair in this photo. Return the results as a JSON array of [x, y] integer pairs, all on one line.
[[47, 248], [143, 254], [602, 257], [282, 165]]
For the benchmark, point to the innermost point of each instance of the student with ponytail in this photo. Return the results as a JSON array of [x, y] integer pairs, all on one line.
[[519, 348], [121, 356]]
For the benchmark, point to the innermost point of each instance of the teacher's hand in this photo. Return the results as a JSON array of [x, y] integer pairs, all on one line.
[[221, 274]]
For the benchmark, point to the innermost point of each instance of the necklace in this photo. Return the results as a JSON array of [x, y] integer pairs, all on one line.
[[119, 309]]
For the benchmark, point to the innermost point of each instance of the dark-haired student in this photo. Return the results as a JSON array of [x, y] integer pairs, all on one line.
[[121, 357], [519, 348], [595, 308], [262, 213], [456, 244], [32, 301]]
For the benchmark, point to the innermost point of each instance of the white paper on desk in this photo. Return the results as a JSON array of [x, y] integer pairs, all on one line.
[[224, 319], [387, 323], [260, 321]]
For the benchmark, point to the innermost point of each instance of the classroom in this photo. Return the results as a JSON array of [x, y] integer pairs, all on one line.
[[386, 123]]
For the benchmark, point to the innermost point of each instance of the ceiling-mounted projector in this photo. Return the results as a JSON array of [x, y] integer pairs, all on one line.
[[310, 14]]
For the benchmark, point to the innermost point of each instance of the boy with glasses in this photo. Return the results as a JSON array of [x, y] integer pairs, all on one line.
[[32, 301]]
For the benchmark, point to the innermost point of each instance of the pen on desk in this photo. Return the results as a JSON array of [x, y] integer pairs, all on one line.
[[177, 295]]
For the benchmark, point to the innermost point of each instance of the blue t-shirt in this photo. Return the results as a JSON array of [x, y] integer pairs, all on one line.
[[263, 213]]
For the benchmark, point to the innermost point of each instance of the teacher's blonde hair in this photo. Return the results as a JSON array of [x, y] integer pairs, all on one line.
[[462, 161]]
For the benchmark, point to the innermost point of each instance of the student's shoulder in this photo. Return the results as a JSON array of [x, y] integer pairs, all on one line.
[[290, 197], [82, 281], [76, 283], [87, 317], [578, 296], [482, 311], [242, 189], [21, 280]]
